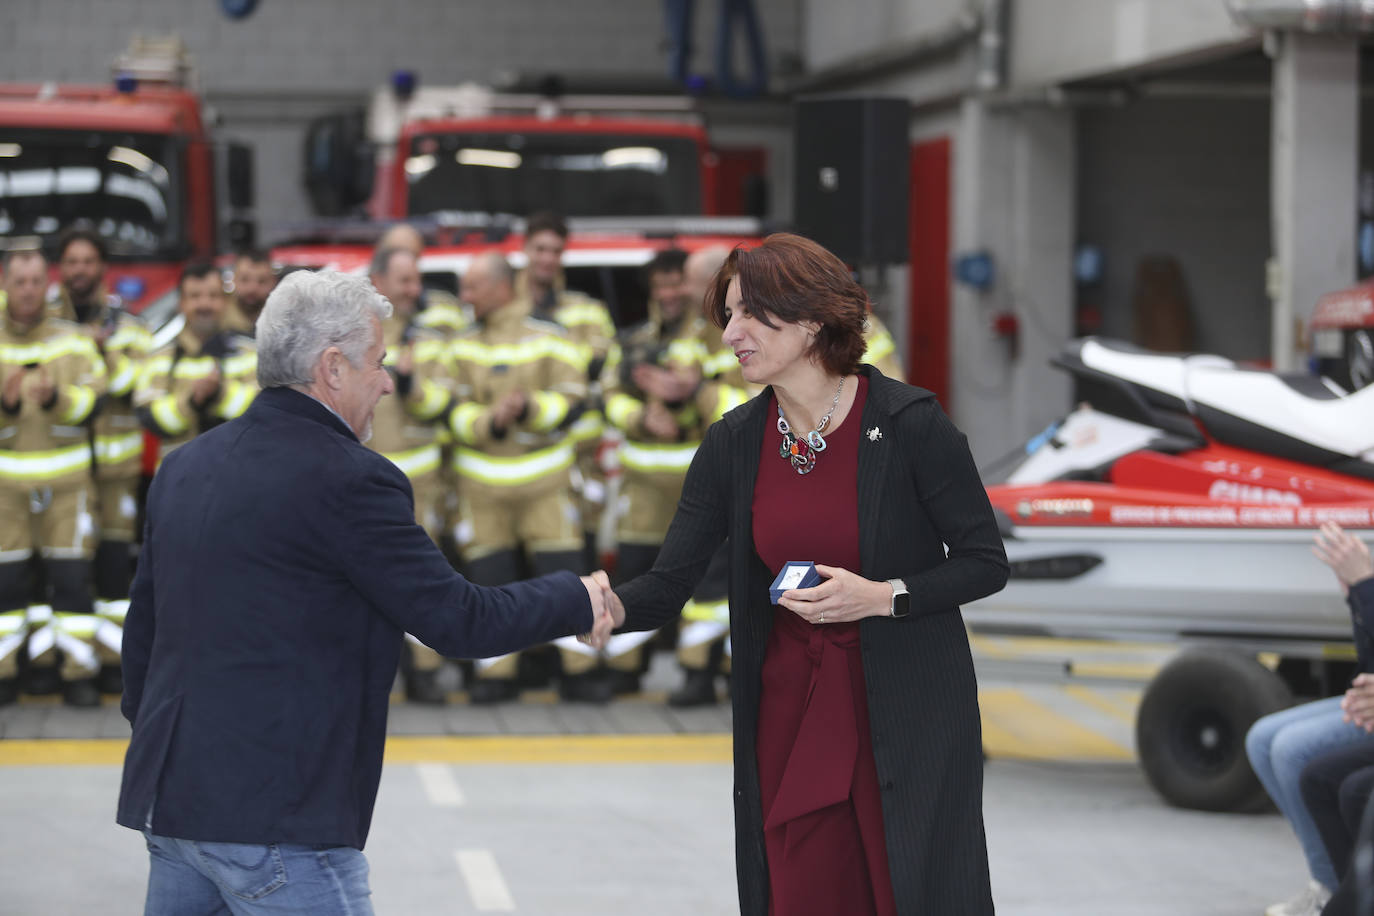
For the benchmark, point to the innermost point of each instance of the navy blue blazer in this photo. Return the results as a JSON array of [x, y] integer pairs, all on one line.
[[281, 566]]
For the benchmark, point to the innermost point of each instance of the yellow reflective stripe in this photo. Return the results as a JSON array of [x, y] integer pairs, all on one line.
[[429, 350], [728, 397], [623, 410], [82, 626], [550, 409], [80, 403], [115, 609], [241, 365], [529, 351], [707, 611], [129, 337], [193, 367], [588, 426], [433, 399], [585, 314], [519, 469], [650, 457], [13, 621], [122, 382], [719, 362], [878, 347], [464, 419], [235, 400], [117, 448], [687, 352], [38, 465], [442, 315], [167, 413], [47, 350], [416, 461]]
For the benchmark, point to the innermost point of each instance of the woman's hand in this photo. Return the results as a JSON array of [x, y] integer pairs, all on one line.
[[1346, 554], [843, 597]]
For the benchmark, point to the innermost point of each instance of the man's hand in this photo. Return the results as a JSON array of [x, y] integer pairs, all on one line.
[[1358, 702], [12, 395], [613, 604], [42, 388], [659, 422], [204, 390], [1346, 554], [603, 621], [507, 409]]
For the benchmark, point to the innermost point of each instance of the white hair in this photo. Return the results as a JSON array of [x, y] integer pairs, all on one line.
[[308, 313]]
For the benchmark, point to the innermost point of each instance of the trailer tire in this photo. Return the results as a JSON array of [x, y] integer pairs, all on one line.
[[1190, 729]]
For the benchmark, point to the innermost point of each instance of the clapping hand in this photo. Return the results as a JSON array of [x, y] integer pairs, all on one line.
[[607, 611], [1346, 554]]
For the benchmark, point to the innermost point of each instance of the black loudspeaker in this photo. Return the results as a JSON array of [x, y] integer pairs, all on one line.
[[853, 177]]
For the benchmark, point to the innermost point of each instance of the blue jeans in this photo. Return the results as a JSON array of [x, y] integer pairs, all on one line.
[[1279, 745], [194, 878]]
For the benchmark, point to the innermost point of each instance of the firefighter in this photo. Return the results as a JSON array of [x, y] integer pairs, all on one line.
[[124, 343], [661, 406], [206, 376], [435, 309], [405, 427], [589, 323], [254, 280], [51, 381], [517, 382]]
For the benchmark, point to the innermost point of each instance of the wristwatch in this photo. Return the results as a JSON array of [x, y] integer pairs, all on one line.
[[901, 599]]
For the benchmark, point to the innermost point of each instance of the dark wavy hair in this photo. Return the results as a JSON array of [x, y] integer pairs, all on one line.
[[791, 279]]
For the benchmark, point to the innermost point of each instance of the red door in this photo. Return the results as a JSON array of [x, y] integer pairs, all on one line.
[[928, 324], [736, 168]]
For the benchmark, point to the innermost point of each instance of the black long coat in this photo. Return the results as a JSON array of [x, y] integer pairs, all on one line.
[[917, 490]]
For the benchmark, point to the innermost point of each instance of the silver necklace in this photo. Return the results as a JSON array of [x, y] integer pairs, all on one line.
[[802, 452]]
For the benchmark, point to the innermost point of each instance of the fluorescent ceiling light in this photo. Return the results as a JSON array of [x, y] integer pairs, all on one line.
[[493, 158]]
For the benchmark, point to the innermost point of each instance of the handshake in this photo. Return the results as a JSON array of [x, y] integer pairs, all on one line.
[[607, 611]]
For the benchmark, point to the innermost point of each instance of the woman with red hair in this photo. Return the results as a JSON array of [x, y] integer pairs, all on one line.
[[858, 767]]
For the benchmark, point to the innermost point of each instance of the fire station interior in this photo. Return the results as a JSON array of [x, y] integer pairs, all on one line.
[[1127, 245]]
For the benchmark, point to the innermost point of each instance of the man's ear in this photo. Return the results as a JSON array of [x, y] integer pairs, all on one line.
[[331, 367]]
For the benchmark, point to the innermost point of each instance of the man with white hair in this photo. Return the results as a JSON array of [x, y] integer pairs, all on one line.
[[281, 565]]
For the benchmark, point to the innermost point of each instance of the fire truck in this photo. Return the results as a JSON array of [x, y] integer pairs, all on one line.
[[133, 159], [633, 174]]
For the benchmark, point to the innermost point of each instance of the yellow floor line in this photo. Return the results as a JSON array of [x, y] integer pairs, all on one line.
[[1016, 726], [1108, 704], [1126, 671], [450, 749]]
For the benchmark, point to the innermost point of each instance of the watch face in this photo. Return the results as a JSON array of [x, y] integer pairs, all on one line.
[[901, 604]]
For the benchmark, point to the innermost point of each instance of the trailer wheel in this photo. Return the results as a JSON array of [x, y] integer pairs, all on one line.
[[1190, 729]]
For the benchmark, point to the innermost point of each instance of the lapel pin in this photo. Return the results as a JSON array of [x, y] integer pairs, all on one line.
[[875, 434]]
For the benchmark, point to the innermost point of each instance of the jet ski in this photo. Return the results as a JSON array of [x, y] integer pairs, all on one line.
[[1178, 501]]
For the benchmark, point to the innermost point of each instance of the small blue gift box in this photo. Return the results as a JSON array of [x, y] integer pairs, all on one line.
[[795, 574]]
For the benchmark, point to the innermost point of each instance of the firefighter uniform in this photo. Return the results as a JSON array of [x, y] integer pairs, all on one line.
[[440, 312], [162, 395], [882, 349], [124, 342], [588, 322], [653, 469], [514, 485], [443, 314], [405, 429], [45, 478]]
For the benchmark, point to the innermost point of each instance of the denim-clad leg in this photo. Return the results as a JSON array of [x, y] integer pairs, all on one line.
[[1279, 745], [252, 879], [174, 887]]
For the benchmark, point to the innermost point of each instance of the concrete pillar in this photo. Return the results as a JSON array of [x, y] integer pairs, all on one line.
[[1315, 149], [1014, 183]]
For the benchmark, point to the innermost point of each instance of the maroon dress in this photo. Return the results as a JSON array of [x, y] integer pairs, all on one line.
[[822, 809]]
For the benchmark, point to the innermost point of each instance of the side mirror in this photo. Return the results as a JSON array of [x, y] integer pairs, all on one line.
[[239, 173]]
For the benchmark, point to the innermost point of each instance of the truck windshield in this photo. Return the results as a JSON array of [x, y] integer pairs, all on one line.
[[125, 186], [591, 174]]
